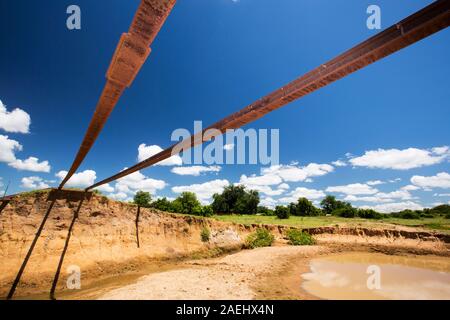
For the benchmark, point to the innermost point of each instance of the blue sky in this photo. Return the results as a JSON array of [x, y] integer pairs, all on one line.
[[387, 123]]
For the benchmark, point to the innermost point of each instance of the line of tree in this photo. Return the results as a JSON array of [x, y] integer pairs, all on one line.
[[238, 200], [186, 203]]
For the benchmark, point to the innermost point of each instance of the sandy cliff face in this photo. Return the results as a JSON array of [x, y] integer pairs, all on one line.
[[103, 240]]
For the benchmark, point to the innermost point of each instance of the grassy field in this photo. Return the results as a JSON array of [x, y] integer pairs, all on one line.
[[439, 223]]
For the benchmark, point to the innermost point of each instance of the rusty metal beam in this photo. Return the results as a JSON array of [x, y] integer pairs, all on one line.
[[69, 195], [131, 53], [3, 204], [414, 28]]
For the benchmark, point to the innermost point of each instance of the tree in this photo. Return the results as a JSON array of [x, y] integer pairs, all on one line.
[[219, 204], [265, 211], [282, 212], [328, 204], [207, 211], [142, 199], [305, 207], [369, 214], [235, 199], [293, 209], [162, 204], [189, 203], [231, 194], [247, 203], [345, 212]]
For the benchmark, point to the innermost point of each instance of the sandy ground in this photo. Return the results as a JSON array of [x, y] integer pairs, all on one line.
[[237, 276], [263, 273]]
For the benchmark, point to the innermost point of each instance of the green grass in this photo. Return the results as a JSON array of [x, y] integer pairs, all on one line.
[[437, 223], [260, 238], [299, 238]]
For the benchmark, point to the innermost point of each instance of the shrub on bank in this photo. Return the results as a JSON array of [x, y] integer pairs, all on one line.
[[205, 234], [300, 238], [260, 238]]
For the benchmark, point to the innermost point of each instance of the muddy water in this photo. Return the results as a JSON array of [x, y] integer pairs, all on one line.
[[378, 276]]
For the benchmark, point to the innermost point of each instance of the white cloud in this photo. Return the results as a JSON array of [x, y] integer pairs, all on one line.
[[194, 170], [30, 164], [395, 207], [301, 192], [264, 180], [34, 183], [228, 147], [8, 148], [204, 191], [284, 186], [400, 159], [81, 180], [434, 195], [266, 190], [262, 184], [441, 180], [136, 182], [374, 182], [353, 189], [441, 150], [294, 173], [381, 197], [106, 188], [121, 196], [410, 187], [339, 163], [352, 198], [145, 152], [16, 121], [268, 202]]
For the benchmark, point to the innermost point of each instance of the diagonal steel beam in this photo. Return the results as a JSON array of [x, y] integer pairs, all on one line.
[[414, 28], [3, 204], [131, 53]]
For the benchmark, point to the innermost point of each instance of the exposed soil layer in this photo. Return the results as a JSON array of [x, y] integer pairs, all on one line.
[[104, 246]]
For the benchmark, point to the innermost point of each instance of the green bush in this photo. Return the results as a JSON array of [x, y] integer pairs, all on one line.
[[282, 212], [300, 238], [447, 216], [260, 238], [207, 211], [408, 214], [346, 212], [369, 214], [205, 234]]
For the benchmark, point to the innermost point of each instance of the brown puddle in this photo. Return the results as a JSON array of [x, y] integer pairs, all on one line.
[[345, 276]]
